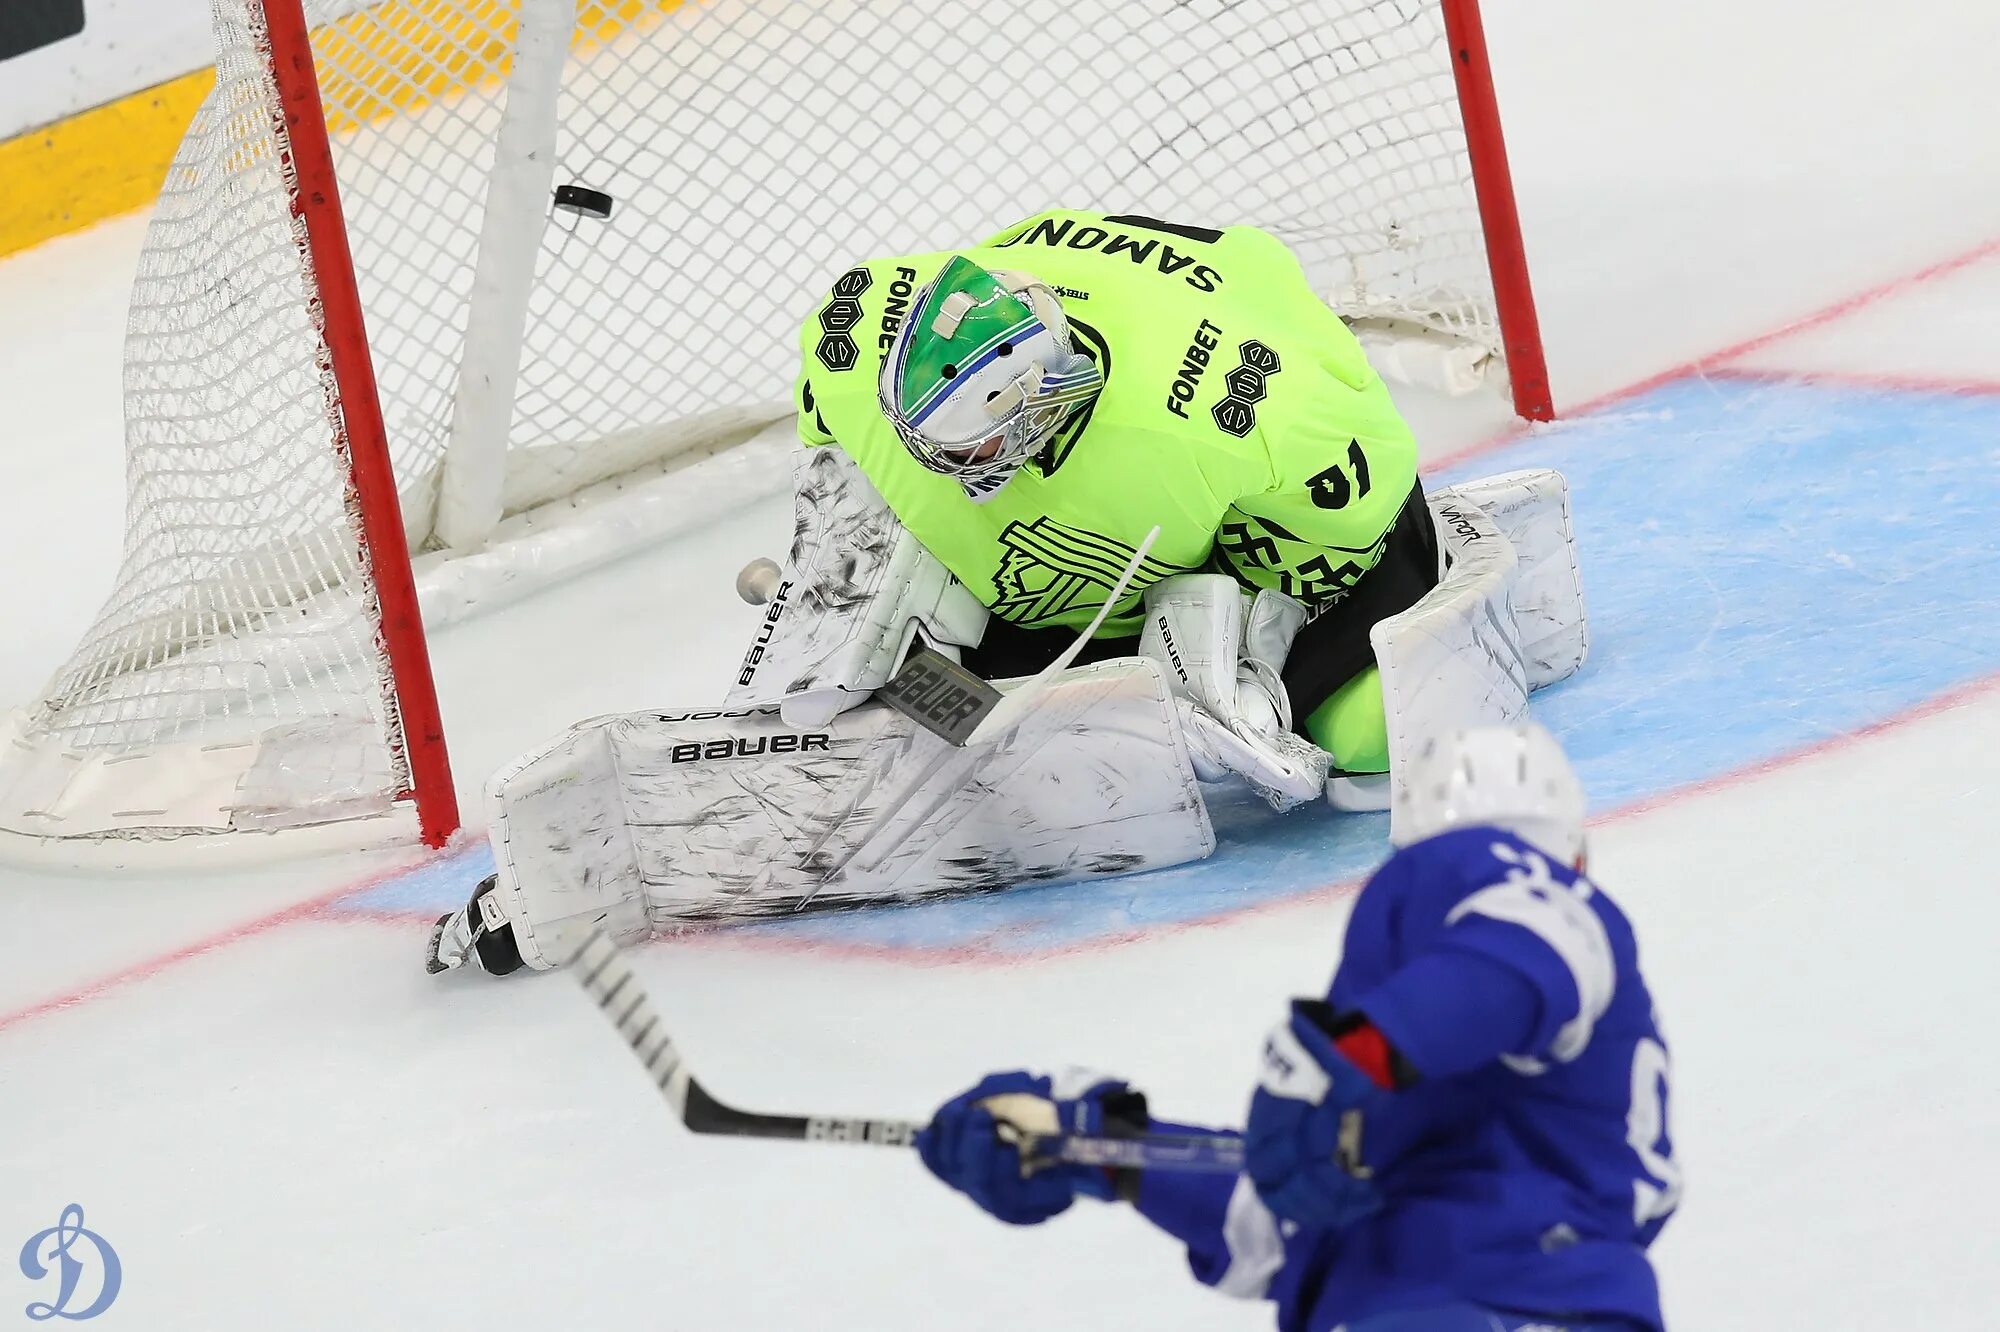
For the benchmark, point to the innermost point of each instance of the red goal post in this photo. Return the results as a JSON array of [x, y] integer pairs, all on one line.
[[362, 332], [414, 730], [1493, 183]]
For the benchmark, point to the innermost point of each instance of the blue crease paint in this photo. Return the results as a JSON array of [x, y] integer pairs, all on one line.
[[1766, 565]]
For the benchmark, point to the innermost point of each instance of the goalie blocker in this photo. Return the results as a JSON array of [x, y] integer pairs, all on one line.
[[803, 790]]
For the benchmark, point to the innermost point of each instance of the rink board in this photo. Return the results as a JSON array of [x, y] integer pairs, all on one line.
[[1768, 566]]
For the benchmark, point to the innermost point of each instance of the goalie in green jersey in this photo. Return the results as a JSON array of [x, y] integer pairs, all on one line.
[[992, 433], [1030, 407]]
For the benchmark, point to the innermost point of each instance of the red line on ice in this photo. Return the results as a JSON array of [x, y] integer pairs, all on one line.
[[1862, 379], [318, 908], [1712, 364], [310, 909]]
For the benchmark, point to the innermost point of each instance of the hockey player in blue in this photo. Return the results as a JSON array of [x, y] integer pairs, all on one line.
[[1468, 1134]]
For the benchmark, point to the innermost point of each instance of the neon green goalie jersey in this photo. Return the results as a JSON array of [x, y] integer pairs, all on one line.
[[1238, 414]]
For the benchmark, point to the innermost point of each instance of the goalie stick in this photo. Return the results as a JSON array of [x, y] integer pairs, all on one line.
[[605, 974], [1016, 705], [947, 770], [956, 762]]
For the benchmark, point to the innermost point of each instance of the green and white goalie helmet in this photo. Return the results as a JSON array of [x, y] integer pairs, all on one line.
[[981, 373]]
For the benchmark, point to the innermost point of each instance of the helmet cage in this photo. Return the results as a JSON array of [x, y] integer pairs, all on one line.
[[1017, 316]]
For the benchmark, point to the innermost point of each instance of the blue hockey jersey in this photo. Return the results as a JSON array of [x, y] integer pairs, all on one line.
[[1530, 1165]]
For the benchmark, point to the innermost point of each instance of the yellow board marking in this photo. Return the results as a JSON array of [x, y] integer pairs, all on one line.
[[103, 162], [373, 66]]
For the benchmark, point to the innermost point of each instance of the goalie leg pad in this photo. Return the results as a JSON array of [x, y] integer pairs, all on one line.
[[1531, 509], [1454, 659], [651, 818], [1507, 618], [563, 848]]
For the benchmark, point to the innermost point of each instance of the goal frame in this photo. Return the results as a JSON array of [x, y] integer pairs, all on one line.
[[354, 409], [410, 695], [1499, 213], [627, 507]]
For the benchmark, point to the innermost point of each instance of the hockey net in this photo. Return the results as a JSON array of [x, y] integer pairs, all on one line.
[[526, 353]]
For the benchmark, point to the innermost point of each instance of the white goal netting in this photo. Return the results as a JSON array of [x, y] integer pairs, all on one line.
[[752, 151]]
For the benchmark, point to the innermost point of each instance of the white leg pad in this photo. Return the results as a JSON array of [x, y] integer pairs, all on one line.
[[563, 846], [1531, 509], [1453, 660], [650, 818]]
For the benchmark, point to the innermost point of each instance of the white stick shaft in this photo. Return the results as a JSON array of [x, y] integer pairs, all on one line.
[[895, 824], [606, 976], [1015, 705]]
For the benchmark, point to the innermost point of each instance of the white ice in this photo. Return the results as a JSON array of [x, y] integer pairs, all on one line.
[[296, 1128]]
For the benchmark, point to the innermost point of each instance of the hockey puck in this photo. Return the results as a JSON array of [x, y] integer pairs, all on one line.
[[758, 581], [584, 201]]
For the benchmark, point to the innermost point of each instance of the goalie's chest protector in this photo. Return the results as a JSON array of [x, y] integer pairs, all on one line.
[[1172, 317]]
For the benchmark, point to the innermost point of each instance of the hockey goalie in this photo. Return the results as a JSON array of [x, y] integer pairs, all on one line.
[[1149, 433]]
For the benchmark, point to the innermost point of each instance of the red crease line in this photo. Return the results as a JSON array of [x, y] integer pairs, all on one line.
[[310, 909], [976, 954], [1714, 363], [1861, 379]]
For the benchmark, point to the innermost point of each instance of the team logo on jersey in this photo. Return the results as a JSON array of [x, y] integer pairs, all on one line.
[[837, 318], [1050, 568], [1237, 414]]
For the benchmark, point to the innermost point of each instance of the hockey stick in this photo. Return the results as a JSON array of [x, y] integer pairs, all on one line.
[[606, 976], [946, 773], [1016, 705]]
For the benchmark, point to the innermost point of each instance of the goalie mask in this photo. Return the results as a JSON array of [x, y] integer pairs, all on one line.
[[981, 374]]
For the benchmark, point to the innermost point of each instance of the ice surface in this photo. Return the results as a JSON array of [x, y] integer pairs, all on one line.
[[1791, 724]]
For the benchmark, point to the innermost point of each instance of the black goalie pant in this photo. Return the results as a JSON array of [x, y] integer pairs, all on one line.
[[1332, 649]]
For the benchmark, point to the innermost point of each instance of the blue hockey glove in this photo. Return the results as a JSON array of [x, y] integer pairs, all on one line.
[[976, 1152], [1320, 1081]]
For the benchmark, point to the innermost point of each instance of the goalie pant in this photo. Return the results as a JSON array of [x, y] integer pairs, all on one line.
[[1528, 1167]]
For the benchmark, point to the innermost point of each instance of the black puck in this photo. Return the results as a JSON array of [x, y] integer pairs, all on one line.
[[584, 201]]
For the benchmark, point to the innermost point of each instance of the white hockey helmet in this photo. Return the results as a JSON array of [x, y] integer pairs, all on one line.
[[981, 373], [1513, 777]]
